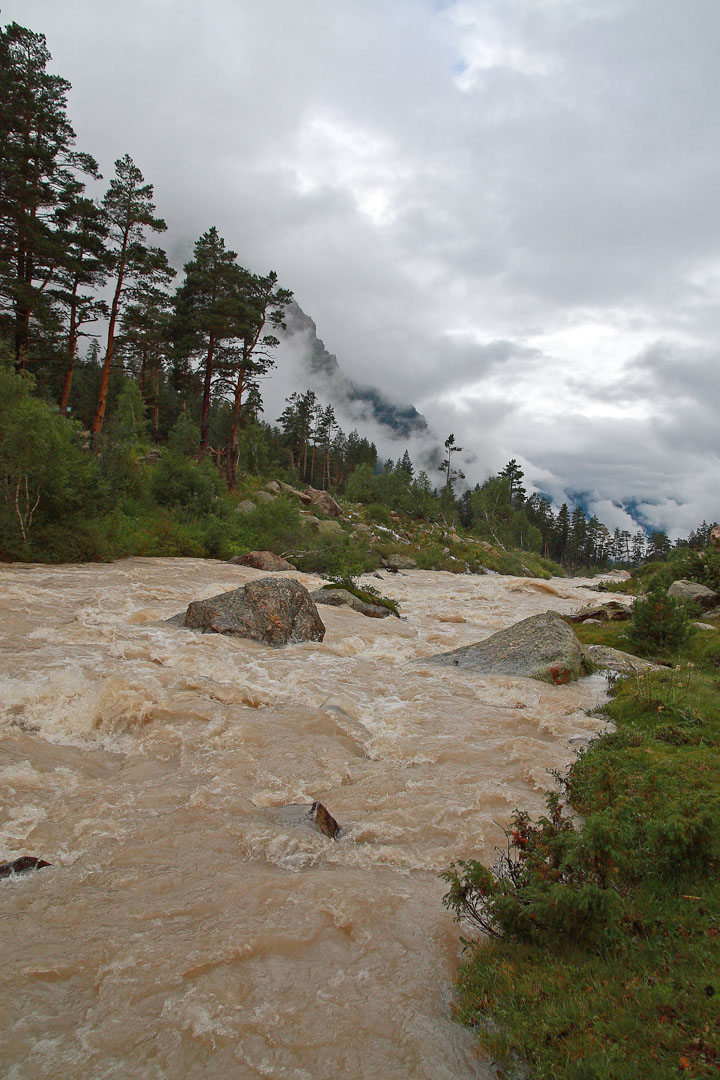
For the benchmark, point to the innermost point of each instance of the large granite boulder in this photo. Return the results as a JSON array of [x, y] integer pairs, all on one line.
[[262, 560], [691, 592], [323, 501], [343, 598], [715, 536], [273, 610], [541, 647]]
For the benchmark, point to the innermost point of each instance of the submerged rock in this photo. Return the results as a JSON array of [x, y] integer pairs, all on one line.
[[273, 610], [323, 820], [309, 815], [541, 647], [262, 560], [343, 598], [22, 865]]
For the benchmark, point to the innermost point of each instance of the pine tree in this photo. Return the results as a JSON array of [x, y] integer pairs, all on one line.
[[82, 231], [327, 425], [38, 171], [446, 466], [297, 420], [514, 475], [144, 341], [405, 466], [129, 211], [210, 314], [561, 534], [263, 307]]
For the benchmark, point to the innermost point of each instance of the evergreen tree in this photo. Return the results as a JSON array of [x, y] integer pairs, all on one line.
[[38, 172], [446, 466], [327, 425], [638, 547], [129, 211], [405, 466], [298, 421], [82, 231], [577, 537], [263, 308], [144, 340], [561, 534], [514, 475], [210, 314]]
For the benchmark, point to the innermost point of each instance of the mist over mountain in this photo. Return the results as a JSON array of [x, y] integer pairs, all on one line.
[[362, 404]]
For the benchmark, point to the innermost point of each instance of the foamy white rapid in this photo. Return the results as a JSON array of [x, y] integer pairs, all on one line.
[[187, 929]]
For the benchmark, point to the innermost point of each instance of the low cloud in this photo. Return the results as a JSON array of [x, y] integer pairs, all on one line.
[[505, 214]]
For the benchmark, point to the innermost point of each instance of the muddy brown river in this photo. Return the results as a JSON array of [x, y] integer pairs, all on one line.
[[189, 928]]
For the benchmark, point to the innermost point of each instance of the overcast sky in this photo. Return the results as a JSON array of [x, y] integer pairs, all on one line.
[[505, 212]]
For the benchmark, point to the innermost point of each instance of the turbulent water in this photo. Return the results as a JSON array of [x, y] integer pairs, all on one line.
[[189, 927]]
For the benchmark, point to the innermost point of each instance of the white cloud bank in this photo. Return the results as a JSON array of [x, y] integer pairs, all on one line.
[[506, 213]]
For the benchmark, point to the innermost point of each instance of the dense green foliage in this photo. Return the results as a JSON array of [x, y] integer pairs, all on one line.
[[659, 623], [606, 927]]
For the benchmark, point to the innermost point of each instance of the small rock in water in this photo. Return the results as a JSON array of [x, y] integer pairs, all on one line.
[[262, 560], [343, 598], [24, 864], [308, 816], [324, 821]]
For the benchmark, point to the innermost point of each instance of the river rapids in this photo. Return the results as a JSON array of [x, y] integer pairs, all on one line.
[[188, 928]]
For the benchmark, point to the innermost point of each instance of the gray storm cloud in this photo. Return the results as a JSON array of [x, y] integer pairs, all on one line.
[[503, 213]]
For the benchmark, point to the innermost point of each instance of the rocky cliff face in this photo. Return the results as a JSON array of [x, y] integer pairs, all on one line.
[[326, 377]]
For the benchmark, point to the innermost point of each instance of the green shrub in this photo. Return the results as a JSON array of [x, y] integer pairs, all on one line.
[[273, 526], [379, 514], [658, 623], [177, 481], [555, 882]]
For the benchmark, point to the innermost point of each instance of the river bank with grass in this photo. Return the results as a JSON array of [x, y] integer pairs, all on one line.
[[604, 915]]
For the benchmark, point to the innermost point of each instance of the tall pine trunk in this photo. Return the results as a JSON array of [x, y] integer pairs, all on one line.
[[105, 376], [73, 334], [205, 412], [232, 443]]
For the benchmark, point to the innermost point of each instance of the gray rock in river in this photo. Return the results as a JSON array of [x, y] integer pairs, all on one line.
[[343, 598], [541, 647], [308, 815], [273, 610]]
